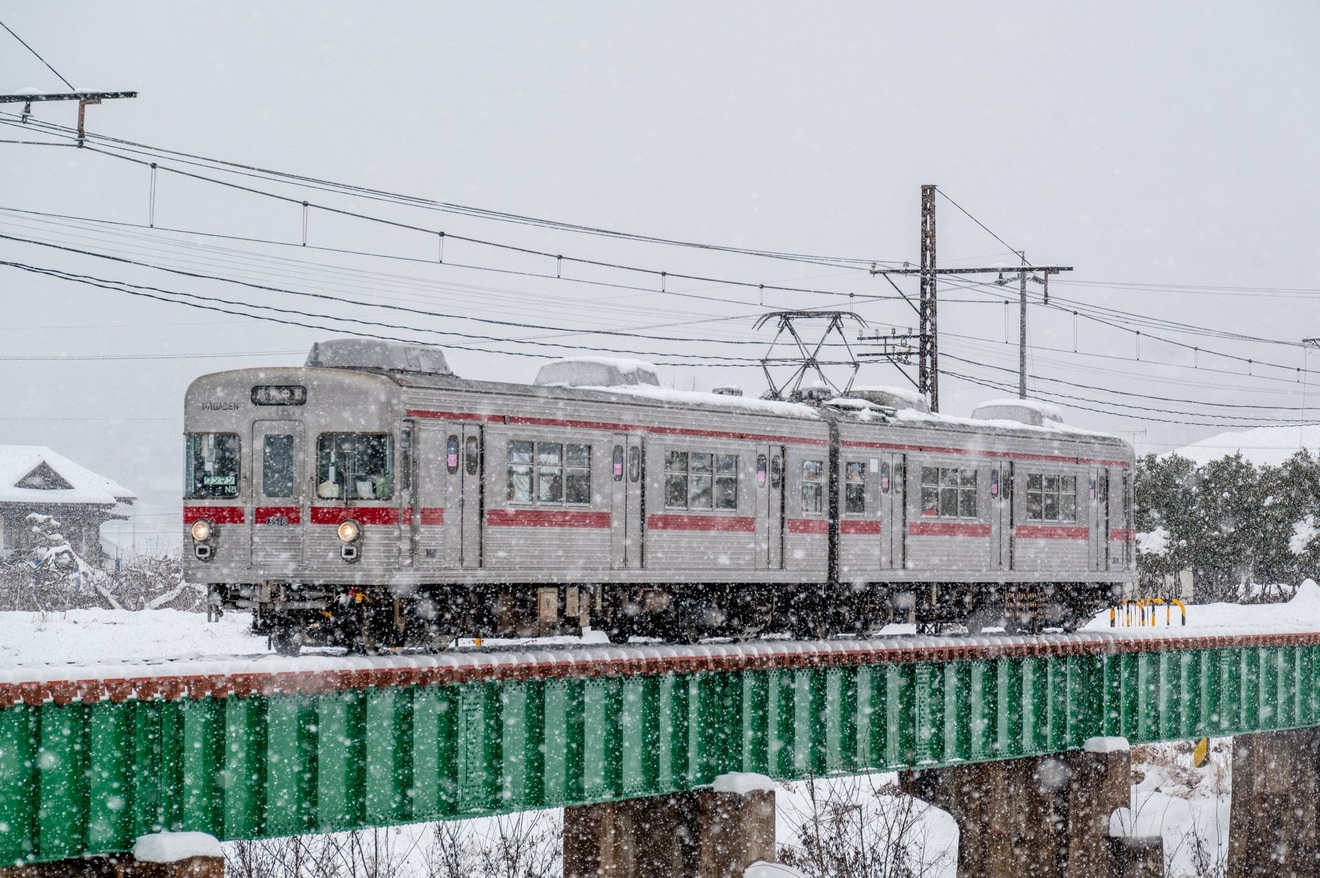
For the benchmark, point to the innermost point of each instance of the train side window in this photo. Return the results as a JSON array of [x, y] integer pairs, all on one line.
[[472, 455], [1051, 497], [701, 480], [776, 471], [854, 487], [726, 481], [634, 463], [884, 477], [676, 481], [549, 473], [618, 463], [761, 467], [813, 486], [277, 466], [451, 454], [355, 466], [520, 472], [211, 465], [948, 492]]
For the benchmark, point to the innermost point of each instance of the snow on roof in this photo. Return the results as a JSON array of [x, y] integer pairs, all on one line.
[[898, 397], [597, 372], [36, 475], [1263, 446], [699, 398], [1028, 411]]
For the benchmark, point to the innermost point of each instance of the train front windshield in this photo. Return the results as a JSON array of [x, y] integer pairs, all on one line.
[[210, 466], [355, 466]]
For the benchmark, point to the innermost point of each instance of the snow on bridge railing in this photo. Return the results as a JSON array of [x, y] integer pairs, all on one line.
[[35, 685]]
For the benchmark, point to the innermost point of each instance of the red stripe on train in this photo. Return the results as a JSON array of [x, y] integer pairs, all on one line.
[[546, 518], [290, 514], [947, 529], [868, 528], [808, 526], [433, 515], [362, 514], [718, 523], [1120, 535], [217, 514], [1050, 532]]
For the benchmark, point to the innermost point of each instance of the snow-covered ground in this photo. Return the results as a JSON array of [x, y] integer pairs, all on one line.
[[1172, 798]]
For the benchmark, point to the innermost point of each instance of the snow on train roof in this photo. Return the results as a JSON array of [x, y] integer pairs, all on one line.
[[597, 372], [981, 423], [668, 395]]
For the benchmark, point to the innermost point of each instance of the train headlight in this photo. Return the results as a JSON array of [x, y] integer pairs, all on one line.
[[349, 530], [202, 530]]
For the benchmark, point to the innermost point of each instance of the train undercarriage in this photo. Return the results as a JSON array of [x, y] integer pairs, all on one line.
[[431, 618]]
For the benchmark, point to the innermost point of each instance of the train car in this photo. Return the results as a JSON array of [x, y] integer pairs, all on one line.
[[371, 499]]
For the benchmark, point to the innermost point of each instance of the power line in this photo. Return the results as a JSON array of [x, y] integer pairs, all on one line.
[[38, 57], [256, 172]]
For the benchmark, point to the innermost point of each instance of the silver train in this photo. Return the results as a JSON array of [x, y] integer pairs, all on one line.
[[373, 500]]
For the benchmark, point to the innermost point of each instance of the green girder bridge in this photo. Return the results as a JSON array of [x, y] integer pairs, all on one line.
[[93, 758]]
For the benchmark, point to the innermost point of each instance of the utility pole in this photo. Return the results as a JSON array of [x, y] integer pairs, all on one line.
[[1308, 344], [928, 340], [1022, 326], [928, 368]]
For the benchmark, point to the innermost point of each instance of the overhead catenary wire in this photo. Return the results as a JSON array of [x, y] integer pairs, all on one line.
[[1112, 320], [858, 263]]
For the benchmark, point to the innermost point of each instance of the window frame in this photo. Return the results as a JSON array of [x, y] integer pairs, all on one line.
[[350, 484], [953, 488], [854, 486], [550, 476], [714, 475], [1051, 497], [191, 474], [813, 485]]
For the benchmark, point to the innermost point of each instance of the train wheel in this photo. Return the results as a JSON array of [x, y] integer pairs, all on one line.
[[981, 620], [618, 631], [756, 621], [286, 640]]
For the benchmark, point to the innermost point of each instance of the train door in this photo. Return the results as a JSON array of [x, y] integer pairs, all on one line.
[[470, 496], [1098, 495], [429, 495], [770, 463], [618, 486], [635, 492], [626, 486], [893, 510], [1001, 515], [278, 497]]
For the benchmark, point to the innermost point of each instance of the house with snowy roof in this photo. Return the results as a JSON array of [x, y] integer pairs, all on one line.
[[35, 479]]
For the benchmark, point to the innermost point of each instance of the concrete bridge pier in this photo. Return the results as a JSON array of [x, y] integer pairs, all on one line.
[[1039, 816], [1276, 804], [715, 833], [161, 855]]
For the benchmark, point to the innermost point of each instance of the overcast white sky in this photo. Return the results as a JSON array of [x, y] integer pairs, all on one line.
[[1166, 151]]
